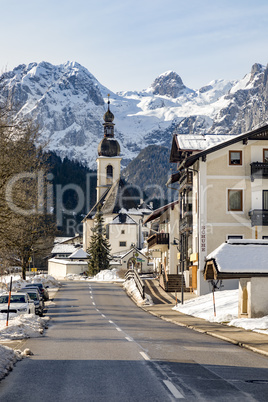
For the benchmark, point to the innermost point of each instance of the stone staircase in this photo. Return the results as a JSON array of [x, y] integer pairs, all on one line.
[[173, 284]]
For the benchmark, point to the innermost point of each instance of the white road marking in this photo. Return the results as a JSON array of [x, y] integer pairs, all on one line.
[[97, 310], [91, 297], [94, 304], [118, 329], [111, 322], [104, 316], [128, 339], [173, 389], [144, 355]]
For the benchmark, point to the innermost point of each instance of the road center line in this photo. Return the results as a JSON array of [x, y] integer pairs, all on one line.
[[104, 316], [94, 304], [111, 322], [128, 339], [144, 355], [173, 389], [118, 329]]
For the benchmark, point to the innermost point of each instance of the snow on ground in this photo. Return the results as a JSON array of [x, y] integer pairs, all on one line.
[[131, 289], [226, 303], [22, 326], [8, 357], [106, 275], [18, 282]]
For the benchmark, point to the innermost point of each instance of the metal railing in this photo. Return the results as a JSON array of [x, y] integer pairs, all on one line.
[[259, 170], [132, 273], [259, 217]]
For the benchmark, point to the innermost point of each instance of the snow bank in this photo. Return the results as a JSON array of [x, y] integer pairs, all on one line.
[[226, 303], [22, 326], [8, 357], [18, 282], [107, 275], [131, 289]]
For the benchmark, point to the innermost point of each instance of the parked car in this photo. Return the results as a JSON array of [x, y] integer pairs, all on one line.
[[36, 296], [20, 303], [41, 287]]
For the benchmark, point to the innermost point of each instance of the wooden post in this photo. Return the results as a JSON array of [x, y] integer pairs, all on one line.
[[214, 305]]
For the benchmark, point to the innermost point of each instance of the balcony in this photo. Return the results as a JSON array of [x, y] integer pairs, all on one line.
[[259, 170], [158, 239], [259, 217], [186, 180], [186, 223]]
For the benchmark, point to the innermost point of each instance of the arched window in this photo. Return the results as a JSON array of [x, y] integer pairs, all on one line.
[[109, 172]]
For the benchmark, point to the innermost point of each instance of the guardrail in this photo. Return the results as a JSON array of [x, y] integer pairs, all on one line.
[[132, 273]]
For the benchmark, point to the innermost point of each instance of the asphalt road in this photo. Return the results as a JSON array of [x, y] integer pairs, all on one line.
[[101, 347]]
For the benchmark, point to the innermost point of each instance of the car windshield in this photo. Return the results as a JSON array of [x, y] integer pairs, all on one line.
[[38, 285], [13, 299], [33, 296]]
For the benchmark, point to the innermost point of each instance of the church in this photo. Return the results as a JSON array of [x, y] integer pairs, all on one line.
[[120, 203], [123, 212]]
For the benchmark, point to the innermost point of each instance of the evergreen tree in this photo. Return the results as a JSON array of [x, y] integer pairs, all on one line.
[[99, 248]]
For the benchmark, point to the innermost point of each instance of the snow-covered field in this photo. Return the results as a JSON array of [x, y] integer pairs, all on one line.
[[226, 303]]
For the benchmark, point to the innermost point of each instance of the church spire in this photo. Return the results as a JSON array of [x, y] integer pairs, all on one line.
[[108, 121], [108, 145]]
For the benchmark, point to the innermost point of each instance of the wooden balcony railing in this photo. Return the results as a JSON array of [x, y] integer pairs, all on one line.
[[158, 238], [186, 223], [186, 180]]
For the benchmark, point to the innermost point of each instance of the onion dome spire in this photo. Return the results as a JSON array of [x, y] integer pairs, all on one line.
[[108, 145]]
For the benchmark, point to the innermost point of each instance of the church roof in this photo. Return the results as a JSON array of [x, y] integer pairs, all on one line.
[[117, 197], [123, 218]]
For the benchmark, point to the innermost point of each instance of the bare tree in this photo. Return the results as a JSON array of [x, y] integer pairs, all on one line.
[[25, 223]]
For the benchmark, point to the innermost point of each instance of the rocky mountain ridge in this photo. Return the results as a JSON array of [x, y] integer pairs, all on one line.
[[68, 103]]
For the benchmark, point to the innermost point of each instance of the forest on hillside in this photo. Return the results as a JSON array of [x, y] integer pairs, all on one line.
[[74, 192]]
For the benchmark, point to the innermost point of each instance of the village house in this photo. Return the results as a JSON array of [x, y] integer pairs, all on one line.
[[223, 195]]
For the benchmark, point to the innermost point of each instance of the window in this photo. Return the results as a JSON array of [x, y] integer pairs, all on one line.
[[265, 155], [265, 199], [234, 237], [122, 244], [122, 232], [235, 157], [264, 237], [109, 172], [235, 200]]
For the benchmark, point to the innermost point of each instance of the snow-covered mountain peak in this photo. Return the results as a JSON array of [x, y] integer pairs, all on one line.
[[167, 84]]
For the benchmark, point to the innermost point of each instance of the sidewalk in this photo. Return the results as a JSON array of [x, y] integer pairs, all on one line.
[[238, 336]]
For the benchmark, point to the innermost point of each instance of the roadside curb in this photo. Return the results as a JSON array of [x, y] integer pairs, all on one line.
[[203, 331]]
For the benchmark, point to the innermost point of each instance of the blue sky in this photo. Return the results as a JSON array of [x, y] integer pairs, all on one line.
[[127, 44]]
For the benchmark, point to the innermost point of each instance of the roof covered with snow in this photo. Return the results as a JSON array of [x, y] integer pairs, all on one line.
[[238, 258], [79, 254], [200, 142], [63, 248]]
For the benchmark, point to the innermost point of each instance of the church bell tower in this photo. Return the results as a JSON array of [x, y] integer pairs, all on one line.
[[109, 160]]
